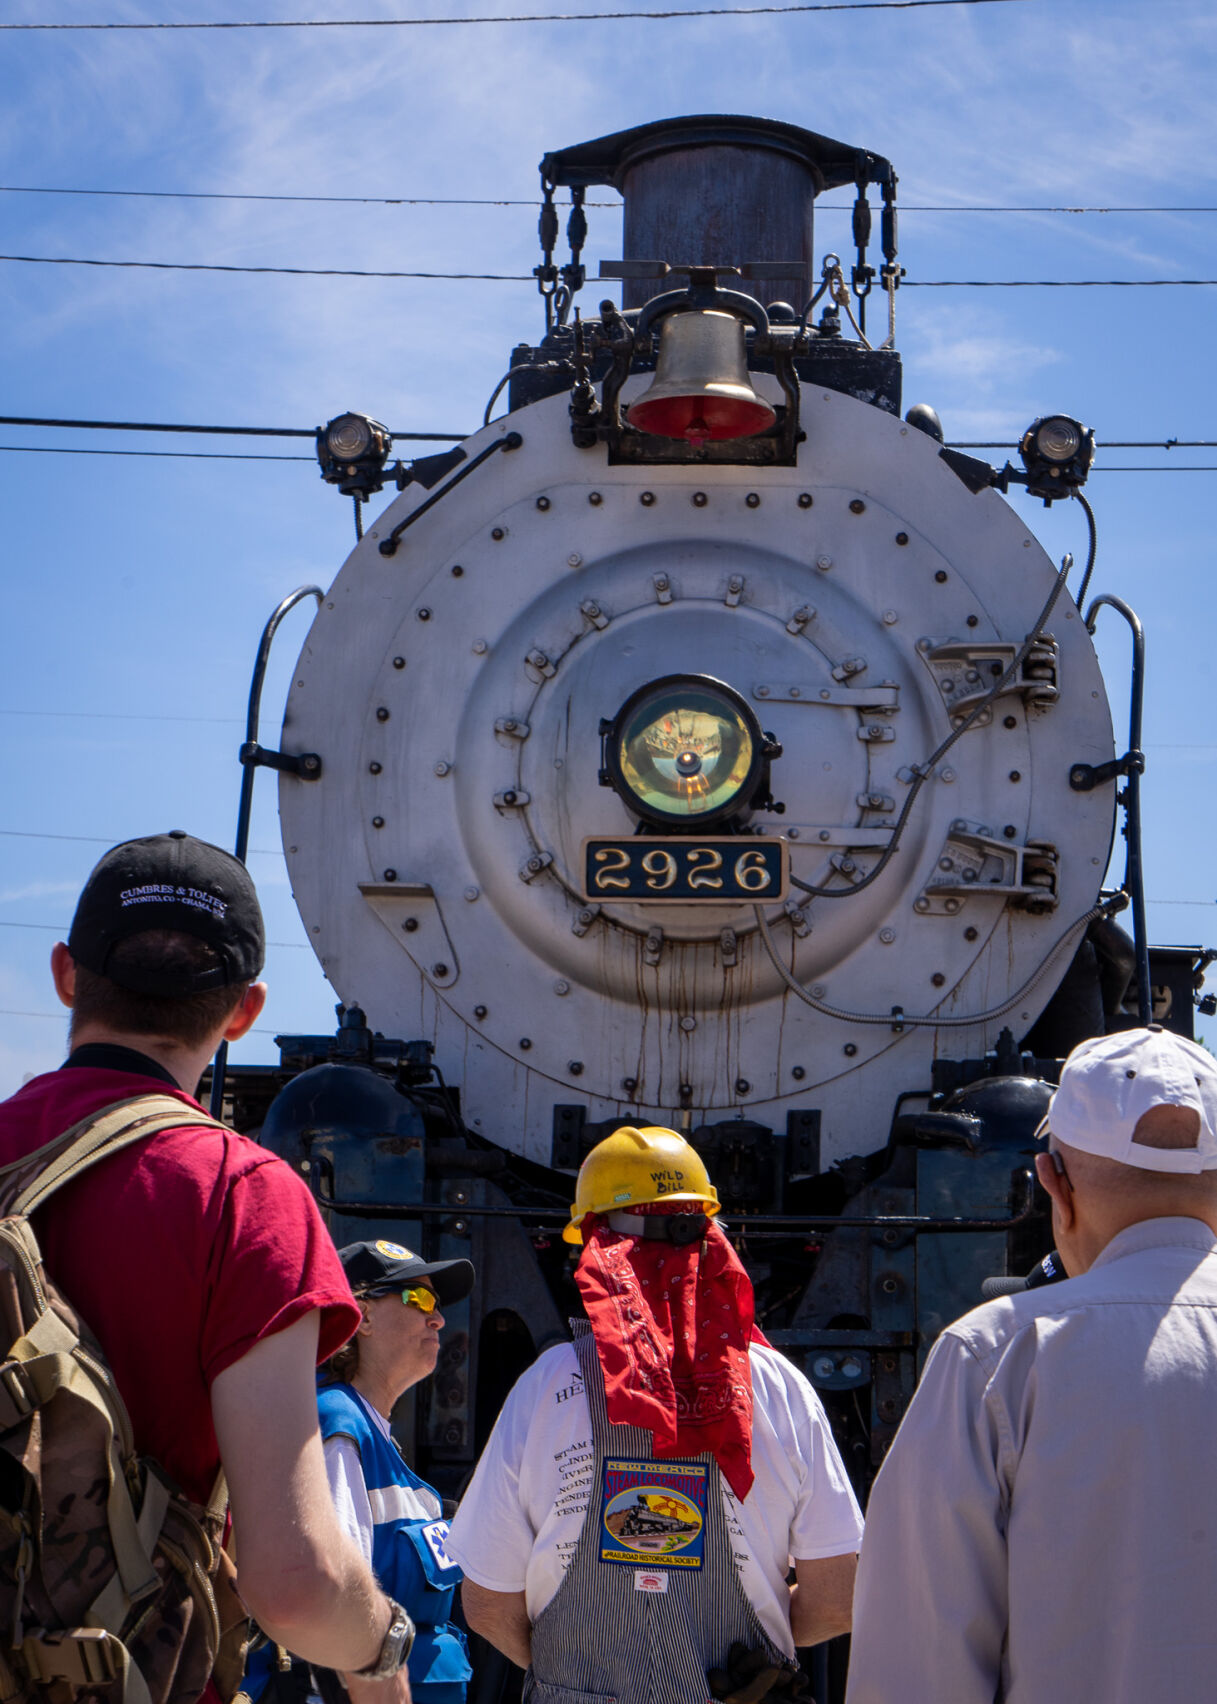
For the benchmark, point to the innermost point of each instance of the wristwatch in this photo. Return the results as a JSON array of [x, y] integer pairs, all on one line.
[[396, 1647]]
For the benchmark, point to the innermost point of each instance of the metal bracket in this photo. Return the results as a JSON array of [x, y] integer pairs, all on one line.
[[972, 864], [411, 914], [538, 667], [966, 669], [534, 864], [884, 697], [305, 764], [584, 918], [797, 918], [1085, 777]]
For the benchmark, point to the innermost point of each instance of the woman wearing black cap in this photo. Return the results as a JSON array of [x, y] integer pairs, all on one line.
[[393, 1514]]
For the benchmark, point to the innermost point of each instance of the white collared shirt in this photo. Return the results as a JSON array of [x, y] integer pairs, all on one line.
[[1044, 1529]]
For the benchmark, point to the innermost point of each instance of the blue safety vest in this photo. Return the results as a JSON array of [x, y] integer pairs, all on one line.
[[409, 1548]]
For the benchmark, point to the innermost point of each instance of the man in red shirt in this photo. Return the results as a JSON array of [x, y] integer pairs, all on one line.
[[198, 1259]]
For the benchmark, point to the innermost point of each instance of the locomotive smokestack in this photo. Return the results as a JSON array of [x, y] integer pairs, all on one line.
[[718, 190]]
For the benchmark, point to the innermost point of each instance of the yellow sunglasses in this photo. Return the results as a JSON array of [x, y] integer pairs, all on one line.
[[418, 1296]]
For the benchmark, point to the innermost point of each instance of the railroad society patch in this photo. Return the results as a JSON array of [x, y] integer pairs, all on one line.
[[653, 1512]]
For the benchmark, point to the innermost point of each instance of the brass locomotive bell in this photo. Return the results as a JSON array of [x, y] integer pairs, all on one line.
[[701, 388]]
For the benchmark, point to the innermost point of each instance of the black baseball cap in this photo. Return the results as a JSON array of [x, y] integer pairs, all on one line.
[[368, 1265], [170, 881]]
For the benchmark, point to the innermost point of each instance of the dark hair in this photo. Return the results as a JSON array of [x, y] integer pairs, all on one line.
[[190, 1019], [343, 1364]]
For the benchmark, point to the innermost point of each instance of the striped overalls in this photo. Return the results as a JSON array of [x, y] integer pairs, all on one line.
[[651, 1599]]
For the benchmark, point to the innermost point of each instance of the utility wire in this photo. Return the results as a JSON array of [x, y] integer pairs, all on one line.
[[222, 431], [61, 929], [110, 840], [1044, 283], [283, 271], [525, 18], [527, 277], [171, 455], [1159, 443], [507, 201], [237, 455]]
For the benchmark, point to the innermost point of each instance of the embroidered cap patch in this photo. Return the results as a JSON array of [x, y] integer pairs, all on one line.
[[653, 1512]]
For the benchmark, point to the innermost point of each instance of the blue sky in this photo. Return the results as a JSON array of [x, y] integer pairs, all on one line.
[[136, 588]]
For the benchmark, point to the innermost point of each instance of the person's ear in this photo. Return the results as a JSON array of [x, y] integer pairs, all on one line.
[[1058, 1187], [247, 1013], [63, 973]]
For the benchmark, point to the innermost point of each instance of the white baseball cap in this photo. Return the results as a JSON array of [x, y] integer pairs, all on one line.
[[1109, 1083]]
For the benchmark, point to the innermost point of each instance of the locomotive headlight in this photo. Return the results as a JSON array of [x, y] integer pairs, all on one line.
[[352, 451], [684, 752], [1057, 453]]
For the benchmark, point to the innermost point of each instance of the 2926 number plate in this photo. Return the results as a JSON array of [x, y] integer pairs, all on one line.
[[728, 870]]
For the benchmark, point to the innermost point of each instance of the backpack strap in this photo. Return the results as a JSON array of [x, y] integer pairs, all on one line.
[[104, 1133]]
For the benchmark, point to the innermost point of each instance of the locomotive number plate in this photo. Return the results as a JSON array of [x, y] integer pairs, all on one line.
[[728, 870]]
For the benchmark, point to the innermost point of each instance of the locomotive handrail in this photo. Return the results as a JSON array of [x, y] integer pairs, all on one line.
[[388, 546], [254, 756], [1134, 759]]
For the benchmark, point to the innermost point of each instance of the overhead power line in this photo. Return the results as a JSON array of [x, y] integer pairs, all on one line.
[[508, 201], [285, 271], [237, 455], [527, 277], [162, 455], [61, 929], [221, 431], [1160, 443], [110, 840], [523, 18]]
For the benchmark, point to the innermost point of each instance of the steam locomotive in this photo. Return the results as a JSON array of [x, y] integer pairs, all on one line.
[[704, 743]]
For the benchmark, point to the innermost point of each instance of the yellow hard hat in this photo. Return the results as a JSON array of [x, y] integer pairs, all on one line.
[[634, 1166]]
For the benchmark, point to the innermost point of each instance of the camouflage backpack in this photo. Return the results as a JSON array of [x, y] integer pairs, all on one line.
[[114, 1587]]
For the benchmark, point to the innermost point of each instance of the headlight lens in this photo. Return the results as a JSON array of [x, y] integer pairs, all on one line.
[[685, 749], [349, 437], [1058, 439]]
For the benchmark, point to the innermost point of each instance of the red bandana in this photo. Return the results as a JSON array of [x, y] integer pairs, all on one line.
[[672, 1328]]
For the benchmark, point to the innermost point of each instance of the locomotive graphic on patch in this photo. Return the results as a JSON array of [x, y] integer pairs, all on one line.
[[653, 1512]]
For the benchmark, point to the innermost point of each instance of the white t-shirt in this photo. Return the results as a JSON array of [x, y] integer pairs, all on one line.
[[349, 1488], [520, 1520]]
